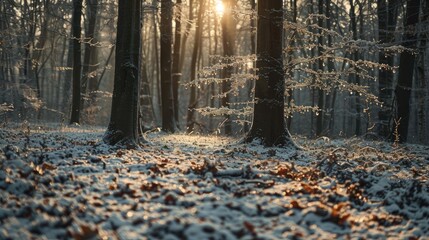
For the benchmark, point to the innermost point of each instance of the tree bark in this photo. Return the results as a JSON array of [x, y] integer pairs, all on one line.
[[89, 80], [123, 125], [228, 41], [330, 99], [268, 115], [177, 72], [387, 15], [186, 33], [289, 56], [406, 71], [76, 18], [167, 99], [321, 92], [421, 78], [356, 78], [190, 118]]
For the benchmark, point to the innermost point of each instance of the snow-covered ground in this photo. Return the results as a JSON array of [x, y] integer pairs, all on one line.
[[62, 183]]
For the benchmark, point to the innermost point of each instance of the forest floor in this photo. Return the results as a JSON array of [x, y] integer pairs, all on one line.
[[65, 183]]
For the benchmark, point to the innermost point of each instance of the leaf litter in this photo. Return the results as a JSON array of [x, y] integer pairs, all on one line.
[[69, 185]]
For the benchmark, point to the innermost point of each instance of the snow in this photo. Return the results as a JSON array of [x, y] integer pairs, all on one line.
[[63, 182]]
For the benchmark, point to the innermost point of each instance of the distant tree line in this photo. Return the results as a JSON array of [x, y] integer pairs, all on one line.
[[316, 67]]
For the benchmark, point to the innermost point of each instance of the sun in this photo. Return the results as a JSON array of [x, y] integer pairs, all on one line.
[[219, 7]]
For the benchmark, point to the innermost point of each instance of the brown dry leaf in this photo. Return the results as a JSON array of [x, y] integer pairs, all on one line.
[[74, 162], [343, 219], [47, 166], [155, 169], [250, 227], [340, 206], [85, 233], [97, 203], [296, 204], [283, 171], [170, 200], [150, 187], [309, 189], [119, 153]]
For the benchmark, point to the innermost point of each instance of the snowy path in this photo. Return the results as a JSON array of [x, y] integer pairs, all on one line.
[[65, 183]]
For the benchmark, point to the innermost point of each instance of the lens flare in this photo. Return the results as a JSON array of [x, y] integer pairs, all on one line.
[[219, 7]]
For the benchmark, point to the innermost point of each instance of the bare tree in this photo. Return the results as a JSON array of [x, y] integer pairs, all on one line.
[[176, 70], [89, 80], [77, 62], [387, 16], [268, 115], [228, 41], [123, 125], [193, 102], [406, 70], [168, 119]]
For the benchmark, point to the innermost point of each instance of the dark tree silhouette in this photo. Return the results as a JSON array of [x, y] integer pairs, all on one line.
[[167, 99], [89, 80], [268, 115], [228, 40], [320, 67], [77, 62], [387, 17], [193, 101], [123, 126], [176, 70], [406, 70]]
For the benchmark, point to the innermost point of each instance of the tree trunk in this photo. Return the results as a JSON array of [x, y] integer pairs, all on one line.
[[76, 18], [253, 51], [123, 125], [89, 59], [321, 93], [68, 78], [167, 100], [421, 78], [406, 70], [228, 41], [331, 69], [356, 78], [190, 119], [186, 34], [294, 6], [177, 72], [157, 67], [268, 115], [147, 115], [387, 15]]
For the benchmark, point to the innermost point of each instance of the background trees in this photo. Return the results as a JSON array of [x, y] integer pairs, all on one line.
[[338, 57]]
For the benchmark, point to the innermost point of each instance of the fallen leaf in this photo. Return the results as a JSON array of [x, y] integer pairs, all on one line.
[[296, 204], [47, 166], [250, 227]]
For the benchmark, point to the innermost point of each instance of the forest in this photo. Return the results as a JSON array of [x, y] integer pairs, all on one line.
[[214, 119]]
